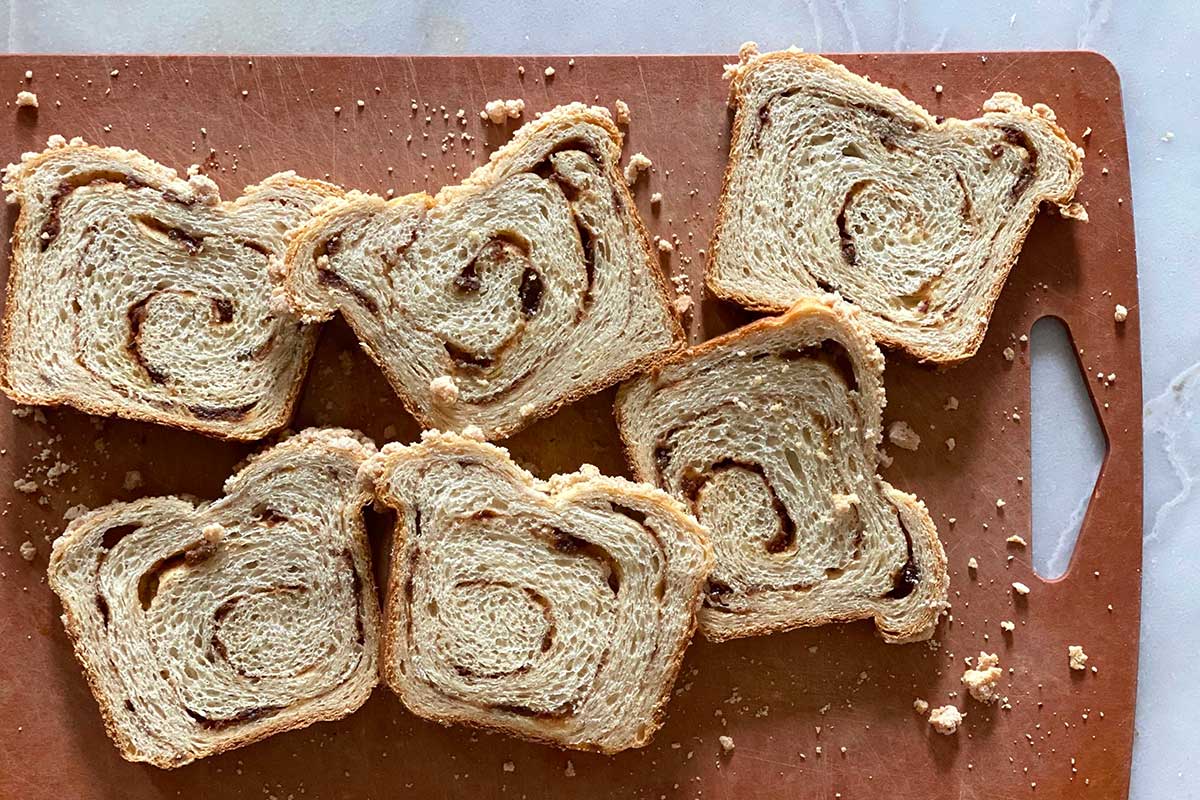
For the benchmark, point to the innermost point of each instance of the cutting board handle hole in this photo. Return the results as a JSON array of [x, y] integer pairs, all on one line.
[[1067, 443]]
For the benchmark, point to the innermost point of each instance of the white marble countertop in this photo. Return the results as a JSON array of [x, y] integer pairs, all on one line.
[[1156, 48]]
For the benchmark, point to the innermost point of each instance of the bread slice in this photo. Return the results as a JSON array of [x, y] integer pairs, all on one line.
[[556, 611], [206, 627], [838, 184], [137, 294], [529, 286], [769, 434]]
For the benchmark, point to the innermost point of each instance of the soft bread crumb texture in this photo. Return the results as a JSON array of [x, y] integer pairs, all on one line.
[[837, 183], [727, 427], [276, 574], [576, 594], [532, 283]]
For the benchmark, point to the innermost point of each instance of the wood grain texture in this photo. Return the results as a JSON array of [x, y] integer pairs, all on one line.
[[771, 692]]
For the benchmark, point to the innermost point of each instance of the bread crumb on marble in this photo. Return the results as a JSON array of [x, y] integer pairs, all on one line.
[[1020, 588], [1121, 313], [27, 100], [28, 550], [920, 706], [726, 743]]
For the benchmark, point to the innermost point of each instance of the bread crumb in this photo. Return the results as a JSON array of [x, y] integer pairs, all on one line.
[[213, 533], [623, 115], [549, 72], [665, 246], [1074, 211], [901, 434], [920, 706], [656, 198], [951, 403], [25, 486], [28, 74], [133, 480], [638, 163], [496, 111], [1007, 625], [981, 682], [27, 100], [682, 304], [726, 743], [1000, 502], [945, 719], [570, 770], [972, 563], [1009, 354], [28, 550], [1121, 313], [1015, 539], [444, 390], [885, 458], [950, 444], [938, 88], [1076, 657], [1020, 588], [509, 766]]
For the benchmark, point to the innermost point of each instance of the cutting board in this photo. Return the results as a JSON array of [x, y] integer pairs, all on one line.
[[812, 713]]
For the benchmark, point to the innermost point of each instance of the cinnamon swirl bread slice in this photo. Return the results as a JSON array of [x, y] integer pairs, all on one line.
[[528, 286], [137, 294], [204, 628], [838, 184], [556, 611], [769, 434]]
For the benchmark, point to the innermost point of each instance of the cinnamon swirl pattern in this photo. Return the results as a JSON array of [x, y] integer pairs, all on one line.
[[137, 294], [204, 628], [769, 434], [557, 611], [528, 286], [837, 184]]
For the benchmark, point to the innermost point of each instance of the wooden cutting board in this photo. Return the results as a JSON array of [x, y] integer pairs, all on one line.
[[813, 713]]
